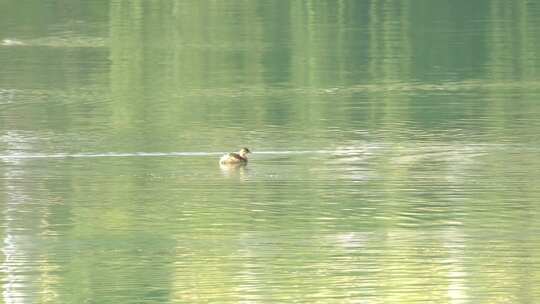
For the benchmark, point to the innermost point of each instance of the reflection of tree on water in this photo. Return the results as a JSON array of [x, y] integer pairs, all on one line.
[[169, 62]]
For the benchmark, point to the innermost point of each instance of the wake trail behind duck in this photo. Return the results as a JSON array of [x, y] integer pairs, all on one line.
[[151, 154]]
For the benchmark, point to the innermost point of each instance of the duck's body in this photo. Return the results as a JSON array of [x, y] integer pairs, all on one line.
[[239, 158]]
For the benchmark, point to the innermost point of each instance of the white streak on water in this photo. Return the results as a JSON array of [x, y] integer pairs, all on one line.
[[165, 154], [417, 151]]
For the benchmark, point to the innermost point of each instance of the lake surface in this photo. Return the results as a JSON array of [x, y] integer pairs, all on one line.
[[396, 151]]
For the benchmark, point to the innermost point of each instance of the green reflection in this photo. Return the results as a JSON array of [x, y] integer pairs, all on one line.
[[418, 123]]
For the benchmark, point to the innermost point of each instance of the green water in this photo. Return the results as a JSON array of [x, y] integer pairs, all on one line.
[[396, 151]]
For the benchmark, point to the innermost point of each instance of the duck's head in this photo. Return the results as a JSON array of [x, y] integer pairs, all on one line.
[[244, 151]]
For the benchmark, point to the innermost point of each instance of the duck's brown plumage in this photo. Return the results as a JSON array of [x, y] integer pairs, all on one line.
[[235, 158]]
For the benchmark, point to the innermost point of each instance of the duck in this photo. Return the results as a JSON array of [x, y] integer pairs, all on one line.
[[239, 158]]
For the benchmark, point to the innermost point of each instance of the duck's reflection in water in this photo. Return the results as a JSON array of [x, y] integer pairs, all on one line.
[[237, 171]]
